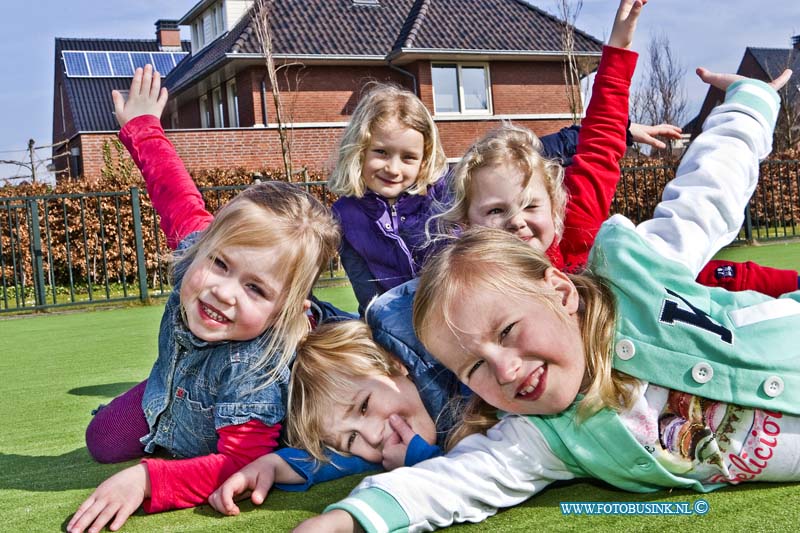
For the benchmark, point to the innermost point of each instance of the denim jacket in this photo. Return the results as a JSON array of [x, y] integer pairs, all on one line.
[[197, 387]]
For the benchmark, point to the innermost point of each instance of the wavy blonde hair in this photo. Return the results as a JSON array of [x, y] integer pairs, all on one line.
[[382, 104], [280, 215], [327, 362], [485, 259], [507, 144]]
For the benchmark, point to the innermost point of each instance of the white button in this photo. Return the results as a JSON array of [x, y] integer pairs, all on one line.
[[702, 372], [625, 349], [773, 386]]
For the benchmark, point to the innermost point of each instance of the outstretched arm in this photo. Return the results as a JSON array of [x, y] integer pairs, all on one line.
[[702, 208], [172, 191]]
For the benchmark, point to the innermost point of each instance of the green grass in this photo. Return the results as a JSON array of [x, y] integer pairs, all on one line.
[[55, 369], [783, 254]]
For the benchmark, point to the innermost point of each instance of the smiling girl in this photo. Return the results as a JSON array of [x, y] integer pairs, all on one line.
[[216, 395]]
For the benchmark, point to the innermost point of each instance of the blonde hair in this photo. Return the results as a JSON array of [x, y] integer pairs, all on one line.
[[281, 215], [485, 259], [327, 362], [382, 104], [507, 144]]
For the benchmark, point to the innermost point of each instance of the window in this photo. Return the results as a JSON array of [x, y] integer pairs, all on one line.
[[220, 20], [214, 27], [460, 88], [173, 120], [198, 34], [233, 104], [205, 116], [216, 101]]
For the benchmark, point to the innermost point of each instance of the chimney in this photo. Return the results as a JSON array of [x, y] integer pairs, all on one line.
[[168, 34]]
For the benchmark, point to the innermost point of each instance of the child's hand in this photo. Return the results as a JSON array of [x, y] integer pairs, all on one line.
[[258, 476], [336, 521], [722, 81], [394, 450], [625, 23], [146, 97], [116, 498], [647, 134]]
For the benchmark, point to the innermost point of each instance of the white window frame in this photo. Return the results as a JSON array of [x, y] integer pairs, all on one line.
[[173, 120], [220, 19], [461, 111], [205, 117], [217, 105], [233, 103]]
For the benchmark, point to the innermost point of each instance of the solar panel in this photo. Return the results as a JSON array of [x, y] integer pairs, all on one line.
[[117, 64], [76, 63], [140, 59], [163, 63], [98, 63], [179, 57], [121, 64]]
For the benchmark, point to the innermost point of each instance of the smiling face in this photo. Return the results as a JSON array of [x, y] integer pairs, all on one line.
[[392, 159], [360, 425], [496, 195], [520, 354], [233, 295]]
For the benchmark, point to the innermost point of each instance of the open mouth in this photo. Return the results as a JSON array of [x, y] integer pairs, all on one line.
[[212, 314], [533, 387]]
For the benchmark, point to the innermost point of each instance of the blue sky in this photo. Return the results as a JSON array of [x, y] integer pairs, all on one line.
[[706, 33]]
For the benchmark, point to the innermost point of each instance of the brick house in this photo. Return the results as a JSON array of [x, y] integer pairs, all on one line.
[[765, 64], [472, 62]]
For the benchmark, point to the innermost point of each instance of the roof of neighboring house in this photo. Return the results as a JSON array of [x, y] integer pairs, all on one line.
[[89, 98], [772, 62], [340, 29]]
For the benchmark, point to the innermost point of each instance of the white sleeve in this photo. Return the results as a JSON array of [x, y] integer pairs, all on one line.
[[702, 209], [481, 474]]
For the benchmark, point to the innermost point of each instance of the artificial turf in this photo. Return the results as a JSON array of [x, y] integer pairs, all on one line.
[[54, 369]]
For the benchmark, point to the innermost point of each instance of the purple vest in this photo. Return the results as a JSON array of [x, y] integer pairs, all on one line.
[[391, 239]]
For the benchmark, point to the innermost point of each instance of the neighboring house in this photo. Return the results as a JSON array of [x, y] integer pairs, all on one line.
[[472, 62], [86, 71], [765, 64]]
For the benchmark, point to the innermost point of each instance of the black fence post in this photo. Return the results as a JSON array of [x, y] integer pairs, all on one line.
[[141, 264], [36, 251], [748, 225]]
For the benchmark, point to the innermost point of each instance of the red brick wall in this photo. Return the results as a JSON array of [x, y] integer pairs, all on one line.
[[329, 94]]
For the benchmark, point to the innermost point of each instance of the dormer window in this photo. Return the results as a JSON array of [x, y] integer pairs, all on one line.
[[208, 25]]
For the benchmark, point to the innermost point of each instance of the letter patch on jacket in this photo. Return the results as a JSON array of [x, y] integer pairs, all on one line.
[[671, 313]]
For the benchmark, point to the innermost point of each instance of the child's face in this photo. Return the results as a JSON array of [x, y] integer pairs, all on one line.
[[360, 425], [496, 193], [232, 296], [392, 159], [518, 353]]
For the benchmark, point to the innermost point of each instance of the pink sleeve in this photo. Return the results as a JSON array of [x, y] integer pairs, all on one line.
[[593, 176], [172, 191], [178, 484]]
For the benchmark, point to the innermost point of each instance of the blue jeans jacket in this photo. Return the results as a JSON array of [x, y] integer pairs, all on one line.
[[197, 387]]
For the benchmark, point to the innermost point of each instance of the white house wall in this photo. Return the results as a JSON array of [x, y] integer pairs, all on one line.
[[234, 11]]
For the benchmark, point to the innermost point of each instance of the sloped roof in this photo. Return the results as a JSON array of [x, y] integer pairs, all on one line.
[[774, 60], [341, 30], [90, 98]]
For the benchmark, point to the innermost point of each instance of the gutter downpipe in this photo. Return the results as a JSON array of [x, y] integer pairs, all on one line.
[[264, 101], [405, 72]]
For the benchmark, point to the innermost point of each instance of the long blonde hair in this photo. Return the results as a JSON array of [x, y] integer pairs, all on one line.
[[485, 259], [281, 215], [506, 144], [382, 104], [327, 362]]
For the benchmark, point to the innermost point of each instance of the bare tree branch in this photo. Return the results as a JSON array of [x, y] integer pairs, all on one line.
[[261, 16], [568, 12]]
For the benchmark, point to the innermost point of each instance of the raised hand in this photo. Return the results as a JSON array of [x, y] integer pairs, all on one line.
[[113, 501], [145, 97], [722, 81], [625, 23], [647, 134]]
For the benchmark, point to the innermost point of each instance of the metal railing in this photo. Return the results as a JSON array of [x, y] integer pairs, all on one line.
[[78, 249], [93, 248]]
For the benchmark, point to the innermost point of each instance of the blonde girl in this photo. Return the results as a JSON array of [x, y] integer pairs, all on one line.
[[632, 373], [217, 392]]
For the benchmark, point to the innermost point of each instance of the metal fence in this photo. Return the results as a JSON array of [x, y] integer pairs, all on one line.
[[93, 248]]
